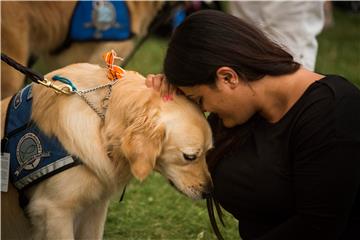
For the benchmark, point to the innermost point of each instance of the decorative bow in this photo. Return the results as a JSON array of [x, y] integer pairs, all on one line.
[[114, 71]]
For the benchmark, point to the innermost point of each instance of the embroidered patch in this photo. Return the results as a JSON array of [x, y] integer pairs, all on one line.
[[29, 152], [100, 20], [103, 18]]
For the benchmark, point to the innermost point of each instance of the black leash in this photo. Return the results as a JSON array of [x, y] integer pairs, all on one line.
[[34, 76], [37, 77], [210, 202]]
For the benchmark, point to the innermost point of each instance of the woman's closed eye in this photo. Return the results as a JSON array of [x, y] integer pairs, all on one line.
[[199, 101]]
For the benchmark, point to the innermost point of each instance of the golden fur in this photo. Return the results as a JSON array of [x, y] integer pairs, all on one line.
[[140, 133], [38, 28]]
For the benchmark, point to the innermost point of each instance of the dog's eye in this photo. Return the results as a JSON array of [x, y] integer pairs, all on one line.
[[189, 157]]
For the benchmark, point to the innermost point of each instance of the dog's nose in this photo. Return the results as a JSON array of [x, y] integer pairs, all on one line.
[[206, 194], [207, 191]]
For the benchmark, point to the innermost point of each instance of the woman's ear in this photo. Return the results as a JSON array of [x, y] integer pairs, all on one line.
[[227, 76]]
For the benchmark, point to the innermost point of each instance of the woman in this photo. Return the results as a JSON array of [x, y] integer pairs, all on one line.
[[286, 161]]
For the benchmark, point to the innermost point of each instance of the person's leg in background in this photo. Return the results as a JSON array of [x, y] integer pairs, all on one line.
[[292, 24], [328, 13]]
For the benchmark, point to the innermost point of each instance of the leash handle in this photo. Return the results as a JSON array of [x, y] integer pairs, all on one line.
[[34, 76]]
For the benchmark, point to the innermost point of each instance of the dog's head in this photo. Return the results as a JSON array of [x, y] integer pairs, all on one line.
[[188, 139], [140, 131], [170, 137]]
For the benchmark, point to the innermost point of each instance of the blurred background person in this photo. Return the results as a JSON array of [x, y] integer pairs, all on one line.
[[292, 24]]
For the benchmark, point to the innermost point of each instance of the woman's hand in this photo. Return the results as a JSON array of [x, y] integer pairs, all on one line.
[[158, 82]]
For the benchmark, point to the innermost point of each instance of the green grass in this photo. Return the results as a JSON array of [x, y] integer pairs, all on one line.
[[154, 210], [339, 47]]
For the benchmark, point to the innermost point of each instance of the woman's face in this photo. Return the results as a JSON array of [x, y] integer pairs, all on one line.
[[233, 103]]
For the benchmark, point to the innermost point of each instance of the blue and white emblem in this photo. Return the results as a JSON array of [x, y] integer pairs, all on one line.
[[29, 152], [103, 18], [100, 21]]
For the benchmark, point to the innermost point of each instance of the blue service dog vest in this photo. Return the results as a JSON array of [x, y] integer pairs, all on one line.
[[33, 155], [100, 20]]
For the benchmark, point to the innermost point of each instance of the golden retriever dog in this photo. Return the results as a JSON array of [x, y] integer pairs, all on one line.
[[140, 132], [36, 29]]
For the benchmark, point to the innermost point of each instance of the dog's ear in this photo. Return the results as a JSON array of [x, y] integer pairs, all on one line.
[[142, 143]]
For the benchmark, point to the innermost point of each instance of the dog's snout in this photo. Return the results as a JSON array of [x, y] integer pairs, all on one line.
[[206, 194], [207, 191]]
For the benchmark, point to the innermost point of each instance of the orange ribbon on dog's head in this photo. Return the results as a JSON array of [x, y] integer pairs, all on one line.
[[114, 71]]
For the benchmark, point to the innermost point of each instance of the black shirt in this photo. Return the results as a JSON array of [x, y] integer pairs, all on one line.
[[298, 178]]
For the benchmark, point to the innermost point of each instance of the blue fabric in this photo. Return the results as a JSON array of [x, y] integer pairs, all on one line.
[[178, 18], [100, 20], [19, 109], [27, 142]]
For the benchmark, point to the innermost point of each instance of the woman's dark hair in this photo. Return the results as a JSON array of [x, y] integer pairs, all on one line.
[[210, 39]]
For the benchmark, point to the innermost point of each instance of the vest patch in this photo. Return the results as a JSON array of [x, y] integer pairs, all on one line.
[[100, 20]]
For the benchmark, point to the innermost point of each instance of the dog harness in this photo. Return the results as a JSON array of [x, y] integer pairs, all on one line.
[[33, 155]]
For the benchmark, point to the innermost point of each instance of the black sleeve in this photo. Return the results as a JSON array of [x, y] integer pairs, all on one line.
[[326, 172], [325, 188]]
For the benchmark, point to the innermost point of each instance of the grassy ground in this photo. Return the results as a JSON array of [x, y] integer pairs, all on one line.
[[152, 209]]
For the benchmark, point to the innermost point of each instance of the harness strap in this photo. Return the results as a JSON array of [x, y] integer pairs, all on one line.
[[5, 139], [24, 200]]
